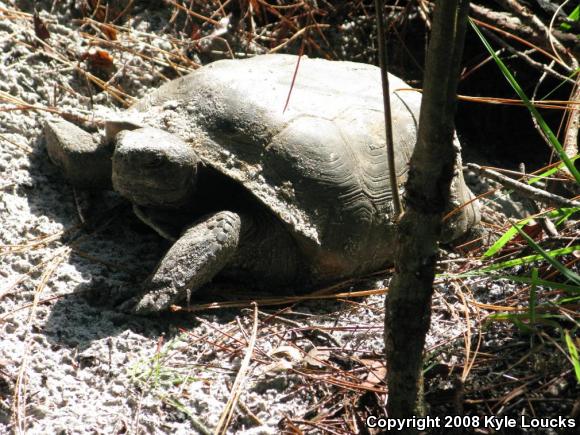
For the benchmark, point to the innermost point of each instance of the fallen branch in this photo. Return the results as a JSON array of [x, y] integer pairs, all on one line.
[[525, 57], [508, 22], [524, 189], [529, 18]]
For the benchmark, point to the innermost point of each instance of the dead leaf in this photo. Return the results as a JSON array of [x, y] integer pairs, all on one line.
[[109, 32], [317, 358], [40, 29], [279, 366], [292, 353], [100, 63]]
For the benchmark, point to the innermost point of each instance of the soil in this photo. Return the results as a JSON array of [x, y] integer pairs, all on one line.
[[70, 363]]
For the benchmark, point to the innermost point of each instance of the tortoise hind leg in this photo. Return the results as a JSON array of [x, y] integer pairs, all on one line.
[[203, 250]]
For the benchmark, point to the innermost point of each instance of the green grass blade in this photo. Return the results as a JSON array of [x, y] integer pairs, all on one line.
[[525, 260], [504, 239], [562, 213], [539, 119], [569, 300], [574, 16], [573, 351], [533, 296], [567, 273], [565, 214], [518, 318], [550, 171], [572, 289]]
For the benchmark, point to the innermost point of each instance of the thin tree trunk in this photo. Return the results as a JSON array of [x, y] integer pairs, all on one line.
[[408, 308]]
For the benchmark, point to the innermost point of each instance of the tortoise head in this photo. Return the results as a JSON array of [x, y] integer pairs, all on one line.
[[154, 168]]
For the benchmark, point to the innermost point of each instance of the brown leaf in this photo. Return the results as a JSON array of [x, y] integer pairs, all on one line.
[[99, 58], [317, 358], [110, 32], [289, 352], [99, 62], [40, 29]]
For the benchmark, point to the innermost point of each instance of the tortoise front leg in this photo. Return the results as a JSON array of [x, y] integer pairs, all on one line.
[[197, 256], [85, 162]]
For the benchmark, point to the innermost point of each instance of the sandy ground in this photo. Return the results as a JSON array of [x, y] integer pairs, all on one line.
[[69, 362]]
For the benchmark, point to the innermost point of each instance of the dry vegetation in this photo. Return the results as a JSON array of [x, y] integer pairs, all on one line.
[[498, 347]]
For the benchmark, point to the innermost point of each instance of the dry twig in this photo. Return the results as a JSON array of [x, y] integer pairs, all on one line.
[[525, 189]]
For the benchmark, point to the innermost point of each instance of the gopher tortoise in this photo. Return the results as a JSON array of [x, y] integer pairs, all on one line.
[[279, 197]]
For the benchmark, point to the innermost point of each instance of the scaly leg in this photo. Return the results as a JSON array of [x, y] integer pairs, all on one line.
[[196, 257]]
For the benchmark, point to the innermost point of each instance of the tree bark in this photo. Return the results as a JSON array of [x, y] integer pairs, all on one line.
[[408, 309]]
